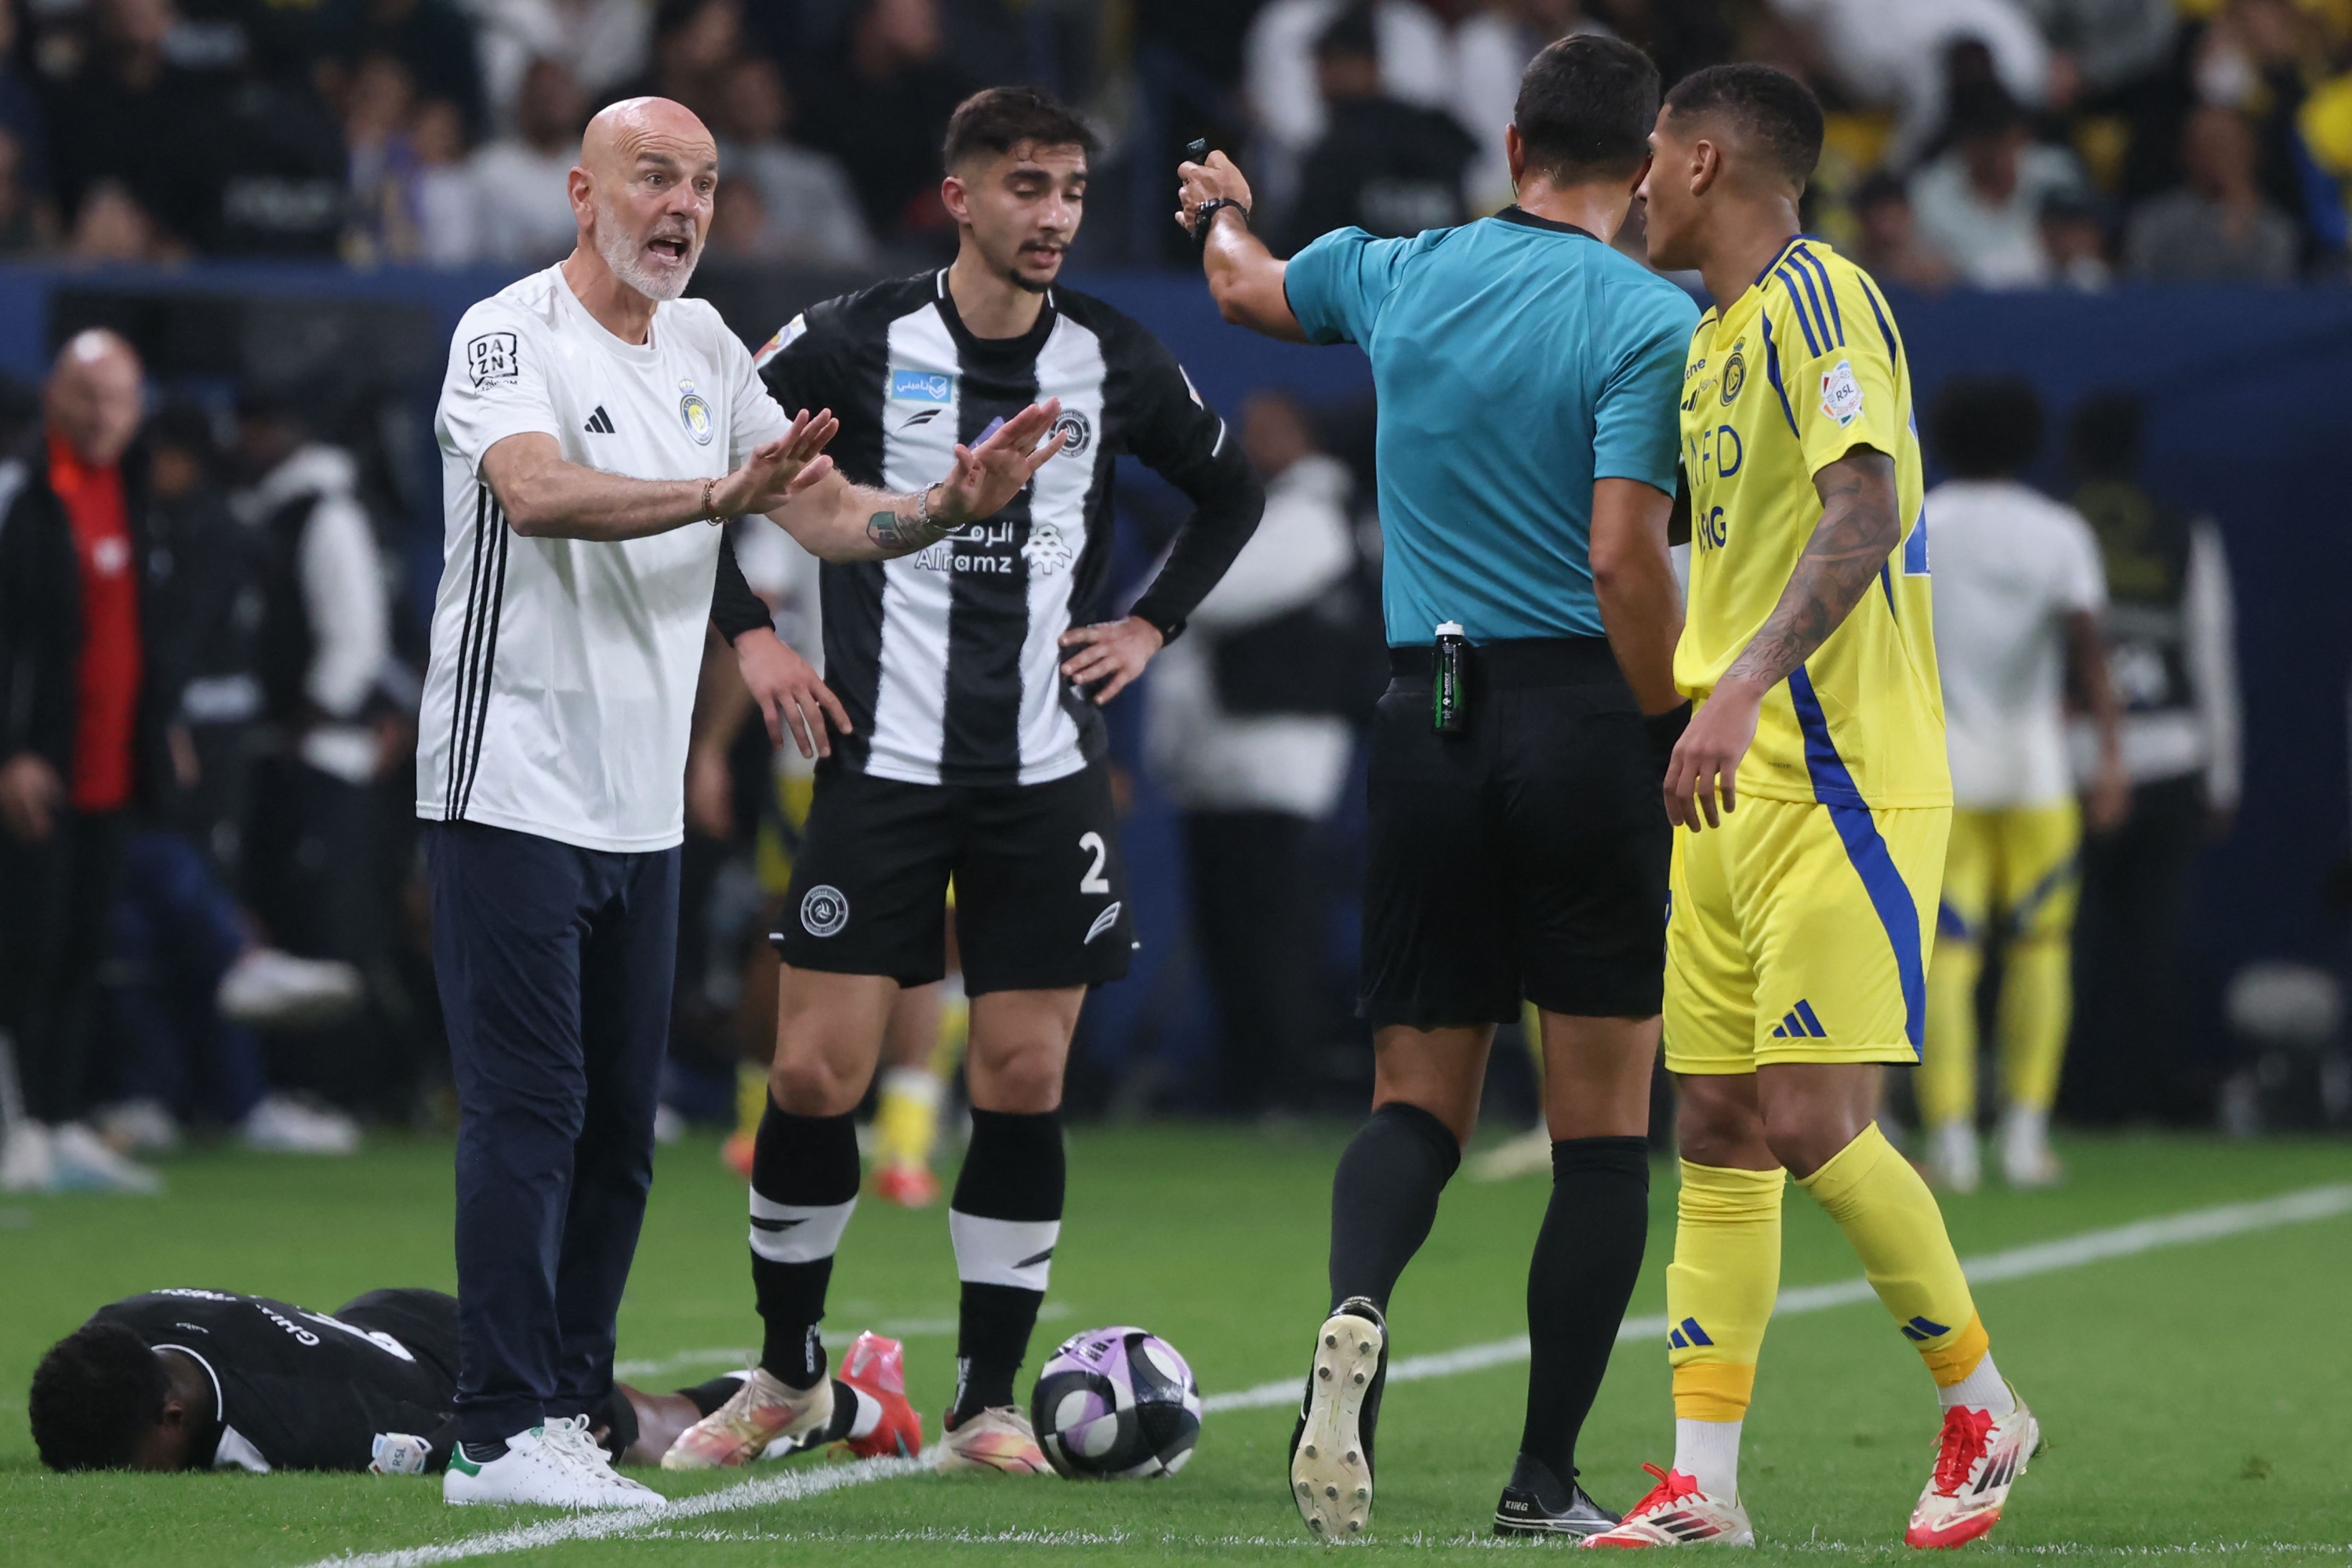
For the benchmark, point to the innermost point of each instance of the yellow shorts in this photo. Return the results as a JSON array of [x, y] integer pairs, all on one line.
[[1799, 932], [2020, 864]]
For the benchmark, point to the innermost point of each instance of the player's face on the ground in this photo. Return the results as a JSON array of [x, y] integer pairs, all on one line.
[[651, 190], [1021, 209], [1669, 193]]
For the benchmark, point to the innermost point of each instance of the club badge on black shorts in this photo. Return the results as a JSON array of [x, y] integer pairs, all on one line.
[[823, 912]]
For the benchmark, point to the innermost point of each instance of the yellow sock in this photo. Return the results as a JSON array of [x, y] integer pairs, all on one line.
[[955, 1028], [1891, 1221], [751, 1098], [1720, 1285], [1947, 1079], [906, 1117], [2037, 995]]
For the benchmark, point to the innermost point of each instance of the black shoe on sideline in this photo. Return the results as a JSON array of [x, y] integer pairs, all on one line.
[[1536, 1502], [1331, 1448]]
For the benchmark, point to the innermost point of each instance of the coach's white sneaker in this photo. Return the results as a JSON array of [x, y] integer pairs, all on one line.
[[27, 1163], [2026, 1160], [1677, 1513], [589, 1455], [1955, 1164], [83, 1162], [273, 990], [540, 1470], [1978, 1460]]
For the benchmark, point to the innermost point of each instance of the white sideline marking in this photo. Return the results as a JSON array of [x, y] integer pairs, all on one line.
[[2015, 1263]]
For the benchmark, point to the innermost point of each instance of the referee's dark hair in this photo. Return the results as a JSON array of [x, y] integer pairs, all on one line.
[[1987, 426], [1777, 114], [95, 1395], [996, 119], [1585, 107]]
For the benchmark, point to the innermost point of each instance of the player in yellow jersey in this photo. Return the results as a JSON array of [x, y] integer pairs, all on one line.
[[1813, 781]]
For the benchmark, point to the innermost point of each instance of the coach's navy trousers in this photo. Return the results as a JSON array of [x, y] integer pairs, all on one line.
[[555, 966]]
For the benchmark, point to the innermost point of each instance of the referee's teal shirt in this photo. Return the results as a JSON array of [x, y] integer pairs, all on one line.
[[1516, 361]]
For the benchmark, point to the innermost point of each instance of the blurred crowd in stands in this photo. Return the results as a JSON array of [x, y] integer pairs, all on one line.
[[1991, 143]]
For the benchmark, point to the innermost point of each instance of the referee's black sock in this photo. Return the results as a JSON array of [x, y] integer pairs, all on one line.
[[1384, 1198], [1006, 1219], [1586, 1256], [804, 1175]]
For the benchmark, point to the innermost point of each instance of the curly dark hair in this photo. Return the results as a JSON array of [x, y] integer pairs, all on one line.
[[95, 1395]]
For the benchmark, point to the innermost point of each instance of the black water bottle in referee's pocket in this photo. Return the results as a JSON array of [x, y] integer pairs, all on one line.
[[1449, 681]]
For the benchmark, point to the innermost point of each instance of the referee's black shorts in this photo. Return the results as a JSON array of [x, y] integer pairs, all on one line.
[[1525, 858]]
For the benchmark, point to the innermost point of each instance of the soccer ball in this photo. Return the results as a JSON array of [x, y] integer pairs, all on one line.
[[1115, 1401]]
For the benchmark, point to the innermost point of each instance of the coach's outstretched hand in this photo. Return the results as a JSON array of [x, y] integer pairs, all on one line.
[[774, 471], [988, 475]]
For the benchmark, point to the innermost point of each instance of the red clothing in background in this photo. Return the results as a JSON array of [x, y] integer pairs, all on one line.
[[105, 685]]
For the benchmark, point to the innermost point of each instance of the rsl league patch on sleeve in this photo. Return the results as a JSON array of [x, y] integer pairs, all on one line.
[[1841, 392], [786, 335]]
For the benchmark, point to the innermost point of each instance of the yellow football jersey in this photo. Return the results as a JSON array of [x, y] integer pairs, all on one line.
[[1783, 382]]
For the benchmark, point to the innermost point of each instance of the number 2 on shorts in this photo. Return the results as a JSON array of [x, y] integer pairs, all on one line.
[[1094, 881]]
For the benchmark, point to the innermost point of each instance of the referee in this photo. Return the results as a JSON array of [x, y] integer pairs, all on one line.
[[589, 419], [1528, 377]]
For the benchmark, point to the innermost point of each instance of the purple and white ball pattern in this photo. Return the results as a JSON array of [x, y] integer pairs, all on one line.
[[1116, 1403]]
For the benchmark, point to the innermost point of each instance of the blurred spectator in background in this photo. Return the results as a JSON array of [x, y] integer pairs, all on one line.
[[1249, 732], [2019, 596], [384, 165], [25, 225], [2217, 228], [1281, 66], [523, 183], [1492, 47], [1888, 247], [75, 737], [1980, 204], [694, 43], [2171, 649], [1383, 166], [314, 862], [21, 119], [881, 110], [126, 115], [446, 202], [2102, 48], [432, 38], [2075, 237], [1897, 55], [809, 211], [603, 43], [112, 226]]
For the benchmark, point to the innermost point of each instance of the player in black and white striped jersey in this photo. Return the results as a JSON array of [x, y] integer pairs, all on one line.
[[974, 751]]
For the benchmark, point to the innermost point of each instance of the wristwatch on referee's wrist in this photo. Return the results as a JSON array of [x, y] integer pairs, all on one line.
[[1206, 213]]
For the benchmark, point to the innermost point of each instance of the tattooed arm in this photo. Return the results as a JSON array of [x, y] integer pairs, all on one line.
[[833, 520], [1860, 528]]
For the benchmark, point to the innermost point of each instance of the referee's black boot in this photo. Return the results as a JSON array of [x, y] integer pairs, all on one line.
[[1332, 1447], [1536, 1502]]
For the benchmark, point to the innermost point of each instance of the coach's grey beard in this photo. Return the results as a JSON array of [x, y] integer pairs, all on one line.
[[622, 253]]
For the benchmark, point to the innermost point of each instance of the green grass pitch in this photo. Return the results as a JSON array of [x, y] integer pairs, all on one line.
[[2197, 1398]]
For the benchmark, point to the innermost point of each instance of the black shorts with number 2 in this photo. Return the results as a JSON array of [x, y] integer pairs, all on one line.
[[1040, 890]]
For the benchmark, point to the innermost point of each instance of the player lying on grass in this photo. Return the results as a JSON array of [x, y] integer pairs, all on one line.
[[193, 1380]]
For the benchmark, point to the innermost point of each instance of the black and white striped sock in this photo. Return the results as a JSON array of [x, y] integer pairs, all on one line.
[[804, 1175], [1006, 1220]]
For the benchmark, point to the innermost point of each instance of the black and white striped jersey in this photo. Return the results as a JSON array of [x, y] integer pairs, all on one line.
[[949, 661]]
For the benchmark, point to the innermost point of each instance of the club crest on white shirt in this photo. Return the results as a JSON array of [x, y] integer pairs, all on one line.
[[695, 412]]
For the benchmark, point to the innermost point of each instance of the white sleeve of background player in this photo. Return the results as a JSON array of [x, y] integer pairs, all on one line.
[[2083, 581], [497, 385], [2211, 616], [343, 593], [755, 416]]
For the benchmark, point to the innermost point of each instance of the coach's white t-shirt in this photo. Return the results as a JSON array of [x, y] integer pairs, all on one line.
[[2010, 565], [562, 682]]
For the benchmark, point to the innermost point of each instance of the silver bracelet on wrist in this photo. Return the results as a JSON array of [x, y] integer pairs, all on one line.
[[923, 507]]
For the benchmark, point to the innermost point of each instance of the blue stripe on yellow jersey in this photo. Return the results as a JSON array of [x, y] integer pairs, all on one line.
[[1834, 378]]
